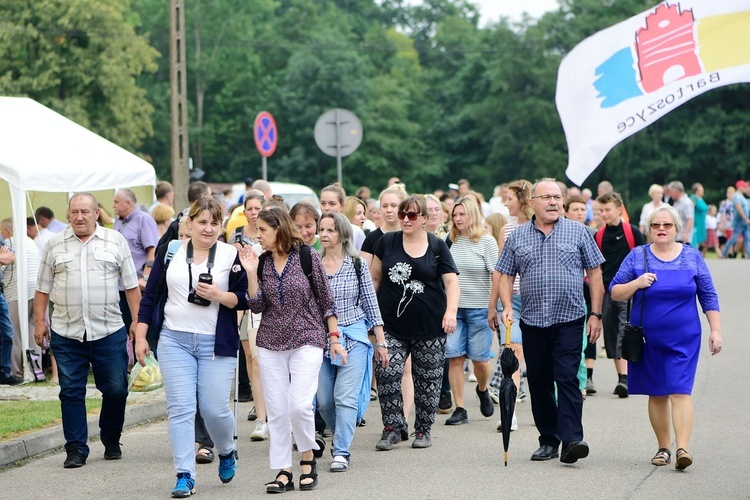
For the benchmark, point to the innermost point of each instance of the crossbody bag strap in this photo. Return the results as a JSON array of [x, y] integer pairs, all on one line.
[[645, 266]]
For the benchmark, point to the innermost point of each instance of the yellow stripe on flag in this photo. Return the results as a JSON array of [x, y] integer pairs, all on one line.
[[724, 41]]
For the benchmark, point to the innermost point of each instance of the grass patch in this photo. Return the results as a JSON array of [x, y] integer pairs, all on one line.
[[19, 417]]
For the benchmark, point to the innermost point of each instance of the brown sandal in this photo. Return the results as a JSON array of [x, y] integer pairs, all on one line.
[[662, 457], [684, 459]]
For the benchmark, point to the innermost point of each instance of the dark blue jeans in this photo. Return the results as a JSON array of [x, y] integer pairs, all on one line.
[[6, 338], [109, 361], [553, 355]]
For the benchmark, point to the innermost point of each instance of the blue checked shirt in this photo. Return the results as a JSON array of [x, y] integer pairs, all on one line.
[[344, 285], [551, 268]]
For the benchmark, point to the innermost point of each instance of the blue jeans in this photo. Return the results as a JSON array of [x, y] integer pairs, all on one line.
[[191, 370], [109, 362], [338, 396], [6, 338], [737, 231]]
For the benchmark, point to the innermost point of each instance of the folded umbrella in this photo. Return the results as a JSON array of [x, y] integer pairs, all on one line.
[[508, 389]]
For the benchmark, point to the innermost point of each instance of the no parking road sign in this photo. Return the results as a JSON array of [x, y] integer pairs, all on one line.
[[265, 134]]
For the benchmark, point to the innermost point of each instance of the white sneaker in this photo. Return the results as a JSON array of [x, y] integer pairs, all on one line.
[[340, 464], [513, 424], [261, 431], [472, 377]]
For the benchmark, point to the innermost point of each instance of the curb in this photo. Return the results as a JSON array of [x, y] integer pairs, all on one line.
[[36, 443]]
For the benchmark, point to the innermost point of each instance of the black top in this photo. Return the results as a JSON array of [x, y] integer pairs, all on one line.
[[412, 295], [371, 241], [615, 249]]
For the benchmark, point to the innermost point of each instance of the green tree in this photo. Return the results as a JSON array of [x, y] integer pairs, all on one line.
[[81, 58]]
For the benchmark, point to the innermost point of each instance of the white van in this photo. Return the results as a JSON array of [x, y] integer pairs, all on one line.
[[292, 193]]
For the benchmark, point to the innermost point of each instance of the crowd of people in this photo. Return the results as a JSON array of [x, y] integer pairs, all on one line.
[[392, 298]]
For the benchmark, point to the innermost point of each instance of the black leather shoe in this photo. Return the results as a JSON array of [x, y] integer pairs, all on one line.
[[574, 451], [545, 452]]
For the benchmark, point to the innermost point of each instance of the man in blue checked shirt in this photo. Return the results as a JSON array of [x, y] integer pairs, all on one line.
[[552, 254]]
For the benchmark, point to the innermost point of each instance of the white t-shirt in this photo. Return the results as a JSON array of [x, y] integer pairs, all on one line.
[[184, 316], [711, 222]]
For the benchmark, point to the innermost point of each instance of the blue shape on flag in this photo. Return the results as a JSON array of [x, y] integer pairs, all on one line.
[[618, 80]]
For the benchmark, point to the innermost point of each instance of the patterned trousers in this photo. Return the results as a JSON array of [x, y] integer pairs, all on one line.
[[427, 359]]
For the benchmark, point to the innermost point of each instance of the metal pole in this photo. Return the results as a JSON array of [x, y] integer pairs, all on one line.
[[265, 168], [338, 148], [178, 82]]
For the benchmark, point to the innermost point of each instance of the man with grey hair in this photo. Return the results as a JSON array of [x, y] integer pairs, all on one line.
[[551, 254], [32, 257], [80, 272], [685, 207]]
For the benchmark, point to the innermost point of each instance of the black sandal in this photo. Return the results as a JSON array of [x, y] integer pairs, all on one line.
[[278, 486], [312, 475], [204, 455], [662, 457]]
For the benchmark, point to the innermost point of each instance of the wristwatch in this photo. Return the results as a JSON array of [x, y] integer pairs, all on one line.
[[598, 315], [384, 344]]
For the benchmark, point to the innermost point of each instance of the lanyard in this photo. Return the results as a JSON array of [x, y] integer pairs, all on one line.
[[189, 260]]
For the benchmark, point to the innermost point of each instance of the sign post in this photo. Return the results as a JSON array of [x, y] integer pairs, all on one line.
[[266, 138], [338, 132]]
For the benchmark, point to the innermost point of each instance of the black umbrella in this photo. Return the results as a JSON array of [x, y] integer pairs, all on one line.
[[508, 389]]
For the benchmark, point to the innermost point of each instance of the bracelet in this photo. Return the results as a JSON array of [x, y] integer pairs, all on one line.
[[334, 334], [332, 342], [145, 277], [384, 345]]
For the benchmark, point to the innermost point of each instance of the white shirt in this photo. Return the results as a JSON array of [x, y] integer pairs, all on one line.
[[184, 316]]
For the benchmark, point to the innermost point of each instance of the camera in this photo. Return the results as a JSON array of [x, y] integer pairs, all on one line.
[[197, 300]]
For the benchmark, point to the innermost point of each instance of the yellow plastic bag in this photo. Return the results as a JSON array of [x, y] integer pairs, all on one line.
[[145, 378]]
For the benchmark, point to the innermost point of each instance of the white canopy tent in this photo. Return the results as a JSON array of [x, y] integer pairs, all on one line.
[[41, 150]]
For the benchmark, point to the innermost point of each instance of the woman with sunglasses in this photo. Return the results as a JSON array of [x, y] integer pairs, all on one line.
[[297, 311], [390, 198], [664, 300], [417, 284], [475, 254]]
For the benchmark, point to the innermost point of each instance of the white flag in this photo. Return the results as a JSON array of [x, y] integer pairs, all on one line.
[[624, 78]]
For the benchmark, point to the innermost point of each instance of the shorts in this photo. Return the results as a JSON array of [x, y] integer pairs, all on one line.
[[515, 327], [614, 317], [472, 337], [249, 330]]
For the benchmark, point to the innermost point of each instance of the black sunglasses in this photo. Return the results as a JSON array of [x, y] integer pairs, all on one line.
[[412, 216]]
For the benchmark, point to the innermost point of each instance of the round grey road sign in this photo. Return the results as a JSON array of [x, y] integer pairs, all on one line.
[[338, 132]]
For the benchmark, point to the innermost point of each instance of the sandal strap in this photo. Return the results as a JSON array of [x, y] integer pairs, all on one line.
[[665, 450]]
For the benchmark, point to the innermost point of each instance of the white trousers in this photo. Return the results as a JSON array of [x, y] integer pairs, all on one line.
[[290, 380]]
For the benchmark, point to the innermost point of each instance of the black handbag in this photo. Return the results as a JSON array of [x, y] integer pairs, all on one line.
[[632, 337]]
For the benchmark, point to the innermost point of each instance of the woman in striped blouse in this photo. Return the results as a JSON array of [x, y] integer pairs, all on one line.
[[475, 254]]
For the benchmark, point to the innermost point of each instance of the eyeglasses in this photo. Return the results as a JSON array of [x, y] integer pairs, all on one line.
[[547, 197], [412, 216], [659, 225]]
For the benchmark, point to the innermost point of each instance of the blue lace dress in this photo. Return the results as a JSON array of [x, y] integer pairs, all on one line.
[[671, 324]]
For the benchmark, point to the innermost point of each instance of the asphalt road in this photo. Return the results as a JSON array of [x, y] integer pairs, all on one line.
[[466, 461]]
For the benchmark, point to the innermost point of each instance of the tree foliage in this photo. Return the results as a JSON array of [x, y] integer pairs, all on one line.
[[81, 58]]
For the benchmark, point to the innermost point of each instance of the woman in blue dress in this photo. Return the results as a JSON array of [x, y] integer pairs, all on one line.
[[671, 327]]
